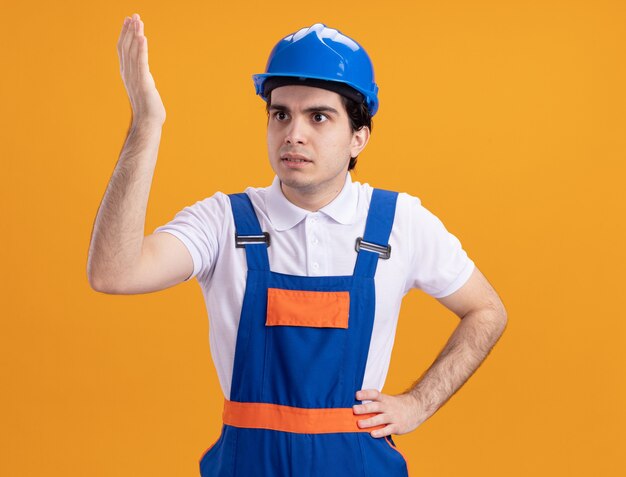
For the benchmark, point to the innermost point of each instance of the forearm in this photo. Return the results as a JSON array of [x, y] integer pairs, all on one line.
[[118, 230], [468, 346]]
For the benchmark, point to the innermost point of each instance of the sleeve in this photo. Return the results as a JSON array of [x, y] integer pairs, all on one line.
[[199, 227], [440, 266]]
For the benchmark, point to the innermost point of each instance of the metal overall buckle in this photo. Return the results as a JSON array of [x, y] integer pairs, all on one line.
[[383, 252], [242, 240]]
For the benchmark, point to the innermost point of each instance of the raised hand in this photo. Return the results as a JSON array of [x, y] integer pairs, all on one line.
[[132, 48]]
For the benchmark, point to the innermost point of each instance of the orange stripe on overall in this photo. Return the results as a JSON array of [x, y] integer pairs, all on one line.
[[293, 419]]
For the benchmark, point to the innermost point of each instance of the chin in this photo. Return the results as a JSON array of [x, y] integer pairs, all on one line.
[[290, 181], [294, 182]]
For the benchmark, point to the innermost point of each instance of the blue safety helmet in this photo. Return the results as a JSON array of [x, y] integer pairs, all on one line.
[[322, 57]]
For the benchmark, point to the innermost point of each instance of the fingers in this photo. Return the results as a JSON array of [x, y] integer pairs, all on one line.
[[368, 394], [372, 395], [377, 421], [373, 421], [120, 40], [367, 408], [142, 45], [392, 414], [385, 431], [132, 29], [371, 407], [129, 30], [130, 46]]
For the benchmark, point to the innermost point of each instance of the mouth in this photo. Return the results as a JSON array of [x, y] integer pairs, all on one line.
[[293, 159]]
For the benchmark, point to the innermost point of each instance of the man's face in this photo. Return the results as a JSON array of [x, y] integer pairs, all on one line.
[[310, 140]]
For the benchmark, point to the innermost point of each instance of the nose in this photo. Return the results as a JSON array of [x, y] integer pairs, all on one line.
[[295, 133]]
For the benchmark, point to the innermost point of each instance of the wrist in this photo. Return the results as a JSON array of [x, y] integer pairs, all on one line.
[[423, 410]]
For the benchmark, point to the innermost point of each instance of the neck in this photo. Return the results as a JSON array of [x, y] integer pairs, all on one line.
[[312, 200]]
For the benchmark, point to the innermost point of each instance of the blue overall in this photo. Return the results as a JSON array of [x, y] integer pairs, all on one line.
[[304, 367]]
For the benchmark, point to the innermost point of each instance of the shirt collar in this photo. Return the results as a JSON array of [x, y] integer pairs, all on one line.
[[285, 215]]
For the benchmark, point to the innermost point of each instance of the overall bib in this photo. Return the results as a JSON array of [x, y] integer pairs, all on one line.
[[302, 347]]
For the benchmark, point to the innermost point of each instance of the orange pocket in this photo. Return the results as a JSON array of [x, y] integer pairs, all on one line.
[[307, 308]]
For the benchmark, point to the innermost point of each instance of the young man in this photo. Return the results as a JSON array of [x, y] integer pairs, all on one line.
[[303, 279]]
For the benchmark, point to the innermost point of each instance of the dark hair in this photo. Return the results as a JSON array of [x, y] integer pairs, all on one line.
[[358, 114]]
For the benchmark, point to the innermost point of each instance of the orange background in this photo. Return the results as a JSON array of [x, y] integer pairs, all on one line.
[[506, 119]]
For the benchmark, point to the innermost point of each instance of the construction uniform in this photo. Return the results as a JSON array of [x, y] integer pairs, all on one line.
[[289, 376]]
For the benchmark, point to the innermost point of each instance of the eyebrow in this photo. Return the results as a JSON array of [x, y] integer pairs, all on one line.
[[312, 109]]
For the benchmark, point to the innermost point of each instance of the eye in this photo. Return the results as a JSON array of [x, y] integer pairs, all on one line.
[[319, 115], [280, 115]]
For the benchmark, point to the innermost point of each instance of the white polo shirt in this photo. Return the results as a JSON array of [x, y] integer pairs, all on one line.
[[424, 255]]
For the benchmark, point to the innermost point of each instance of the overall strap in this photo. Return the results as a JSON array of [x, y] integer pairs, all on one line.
[[374, 244], [248, 232]]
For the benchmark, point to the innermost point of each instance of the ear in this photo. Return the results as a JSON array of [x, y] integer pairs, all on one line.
[[360, 139]]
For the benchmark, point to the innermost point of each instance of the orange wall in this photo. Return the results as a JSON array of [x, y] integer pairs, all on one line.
[[506, 119]]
